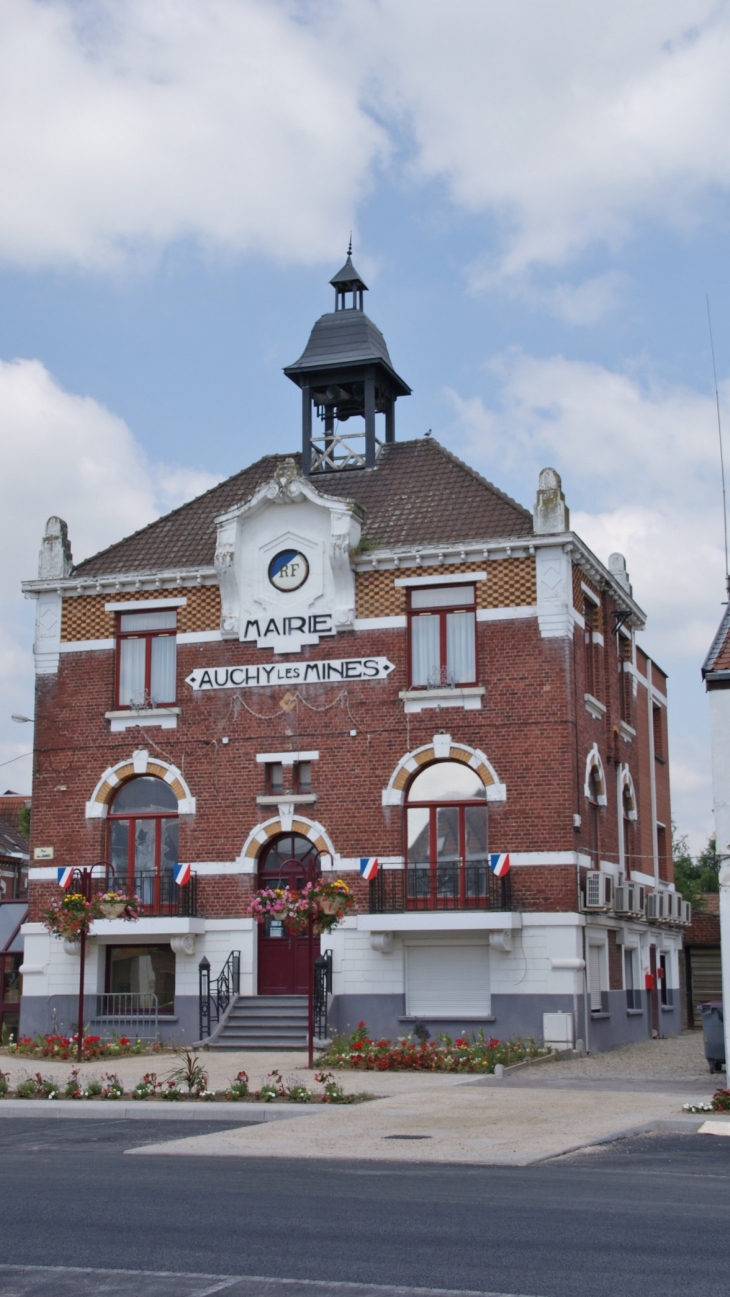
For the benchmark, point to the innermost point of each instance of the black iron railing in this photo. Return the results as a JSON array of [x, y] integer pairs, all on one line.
[[454, 885], [322, 989], [159, 893], [215, 994]]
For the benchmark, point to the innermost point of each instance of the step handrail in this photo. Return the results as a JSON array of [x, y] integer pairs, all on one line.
[[217, 995]]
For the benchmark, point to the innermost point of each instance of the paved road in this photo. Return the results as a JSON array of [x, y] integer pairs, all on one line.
[[648, 1216]]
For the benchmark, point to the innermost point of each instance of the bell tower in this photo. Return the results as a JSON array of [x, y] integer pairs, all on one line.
[[346, 378]]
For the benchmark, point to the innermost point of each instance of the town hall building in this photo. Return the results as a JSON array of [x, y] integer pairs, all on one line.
[[366, 660]]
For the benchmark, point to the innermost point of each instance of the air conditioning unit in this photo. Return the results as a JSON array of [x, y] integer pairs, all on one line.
[[637, 899], [629, 898], [686, 912], [621, 903], [655, 906], [672, 907], [599, 889]]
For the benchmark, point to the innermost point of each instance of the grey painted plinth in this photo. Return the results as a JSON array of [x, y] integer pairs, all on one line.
[[180, 1028]]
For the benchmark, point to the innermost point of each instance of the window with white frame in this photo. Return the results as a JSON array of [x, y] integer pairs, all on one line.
[[596, 976], [442, 631], [632, 984], [146, 658]]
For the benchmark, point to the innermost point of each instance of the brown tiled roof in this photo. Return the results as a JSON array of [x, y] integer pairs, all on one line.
[[718, 658], [417, 494]]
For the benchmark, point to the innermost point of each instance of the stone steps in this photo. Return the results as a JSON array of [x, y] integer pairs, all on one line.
[[265, 1022]]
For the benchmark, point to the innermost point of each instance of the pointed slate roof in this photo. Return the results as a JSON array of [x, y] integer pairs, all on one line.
[[342, 338], [417, 494], [348, 275]]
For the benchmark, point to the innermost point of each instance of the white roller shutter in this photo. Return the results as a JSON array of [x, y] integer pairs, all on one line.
[[447, 981]]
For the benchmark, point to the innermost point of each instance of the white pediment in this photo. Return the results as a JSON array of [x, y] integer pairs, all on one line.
[[287, 516]]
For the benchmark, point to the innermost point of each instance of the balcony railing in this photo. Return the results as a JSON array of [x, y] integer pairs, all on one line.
[[160, 895], [451, 885]]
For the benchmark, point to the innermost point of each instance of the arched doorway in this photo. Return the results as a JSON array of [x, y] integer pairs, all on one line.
[[287, 861]]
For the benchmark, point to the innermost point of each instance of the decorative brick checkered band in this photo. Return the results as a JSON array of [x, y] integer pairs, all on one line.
[[510, 583], [84, 616]]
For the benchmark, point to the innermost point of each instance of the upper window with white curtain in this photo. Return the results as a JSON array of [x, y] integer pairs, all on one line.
[[146, 658], [442, 626]]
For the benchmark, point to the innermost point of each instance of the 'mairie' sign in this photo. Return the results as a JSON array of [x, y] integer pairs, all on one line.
[[329, 671]]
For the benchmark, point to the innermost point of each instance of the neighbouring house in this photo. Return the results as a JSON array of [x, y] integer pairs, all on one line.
[[363, 659], [13, 908], [702, 963]]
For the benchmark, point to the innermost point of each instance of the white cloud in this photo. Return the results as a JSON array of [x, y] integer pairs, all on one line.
[[68, 455], [640, 467], [125, 126], [567, 122], [258, 125]]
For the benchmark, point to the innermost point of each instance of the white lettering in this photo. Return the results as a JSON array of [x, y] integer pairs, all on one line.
[[329, 670]]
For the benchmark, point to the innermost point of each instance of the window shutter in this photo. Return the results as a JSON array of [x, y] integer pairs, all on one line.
[[446, 981]]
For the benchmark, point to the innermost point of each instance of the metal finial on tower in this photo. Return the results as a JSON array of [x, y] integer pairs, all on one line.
[[349, 246]]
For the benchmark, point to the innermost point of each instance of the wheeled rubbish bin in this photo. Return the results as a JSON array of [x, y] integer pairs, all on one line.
[[713, 1034]]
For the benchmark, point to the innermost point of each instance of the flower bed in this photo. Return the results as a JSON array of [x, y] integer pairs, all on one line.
[[419, 1053], [188, 1083], [720, 1102], [63, 1047]]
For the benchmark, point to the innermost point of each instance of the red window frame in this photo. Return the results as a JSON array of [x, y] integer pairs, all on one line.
[[127, 881], [592, 668], [464, 900], [148, 636], [442, 614]]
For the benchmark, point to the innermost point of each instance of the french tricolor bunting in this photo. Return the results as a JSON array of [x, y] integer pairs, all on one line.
[[499, 864], [64, 874], [369, 866], [181, 874]]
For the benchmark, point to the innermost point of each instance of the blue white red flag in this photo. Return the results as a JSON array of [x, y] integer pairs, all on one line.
[[64, 875], [181, 874], [369, 866], [499, 864]]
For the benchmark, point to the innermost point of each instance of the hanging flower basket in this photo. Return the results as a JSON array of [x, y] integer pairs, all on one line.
[[73, 915], [324, 903]]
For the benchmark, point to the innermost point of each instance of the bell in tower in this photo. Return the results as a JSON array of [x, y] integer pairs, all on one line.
[[347, 378]]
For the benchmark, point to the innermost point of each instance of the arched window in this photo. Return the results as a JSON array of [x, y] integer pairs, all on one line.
[[143, 838], [288, 861], [446, 838], [594, 824], [628, 828]]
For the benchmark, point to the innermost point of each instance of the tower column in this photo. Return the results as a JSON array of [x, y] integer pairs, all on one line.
[[306, 430], [390, 420], [370, 419]]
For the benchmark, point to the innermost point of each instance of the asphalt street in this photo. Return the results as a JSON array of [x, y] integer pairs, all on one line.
[[649, 1215]]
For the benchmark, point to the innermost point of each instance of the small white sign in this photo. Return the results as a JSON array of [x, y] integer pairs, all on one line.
[[43, 853], [329, 671]]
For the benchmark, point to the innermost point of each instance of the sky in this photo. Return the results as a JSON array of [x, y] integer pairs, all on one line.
[[539, 200]]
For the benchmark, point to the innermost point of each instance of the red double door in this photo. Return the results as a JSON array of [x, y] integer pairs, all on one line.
[[289, 861]]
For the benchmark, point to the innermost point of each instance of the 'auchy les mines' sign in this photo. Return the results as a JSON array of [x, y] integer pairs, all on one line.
[[329, 671]]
